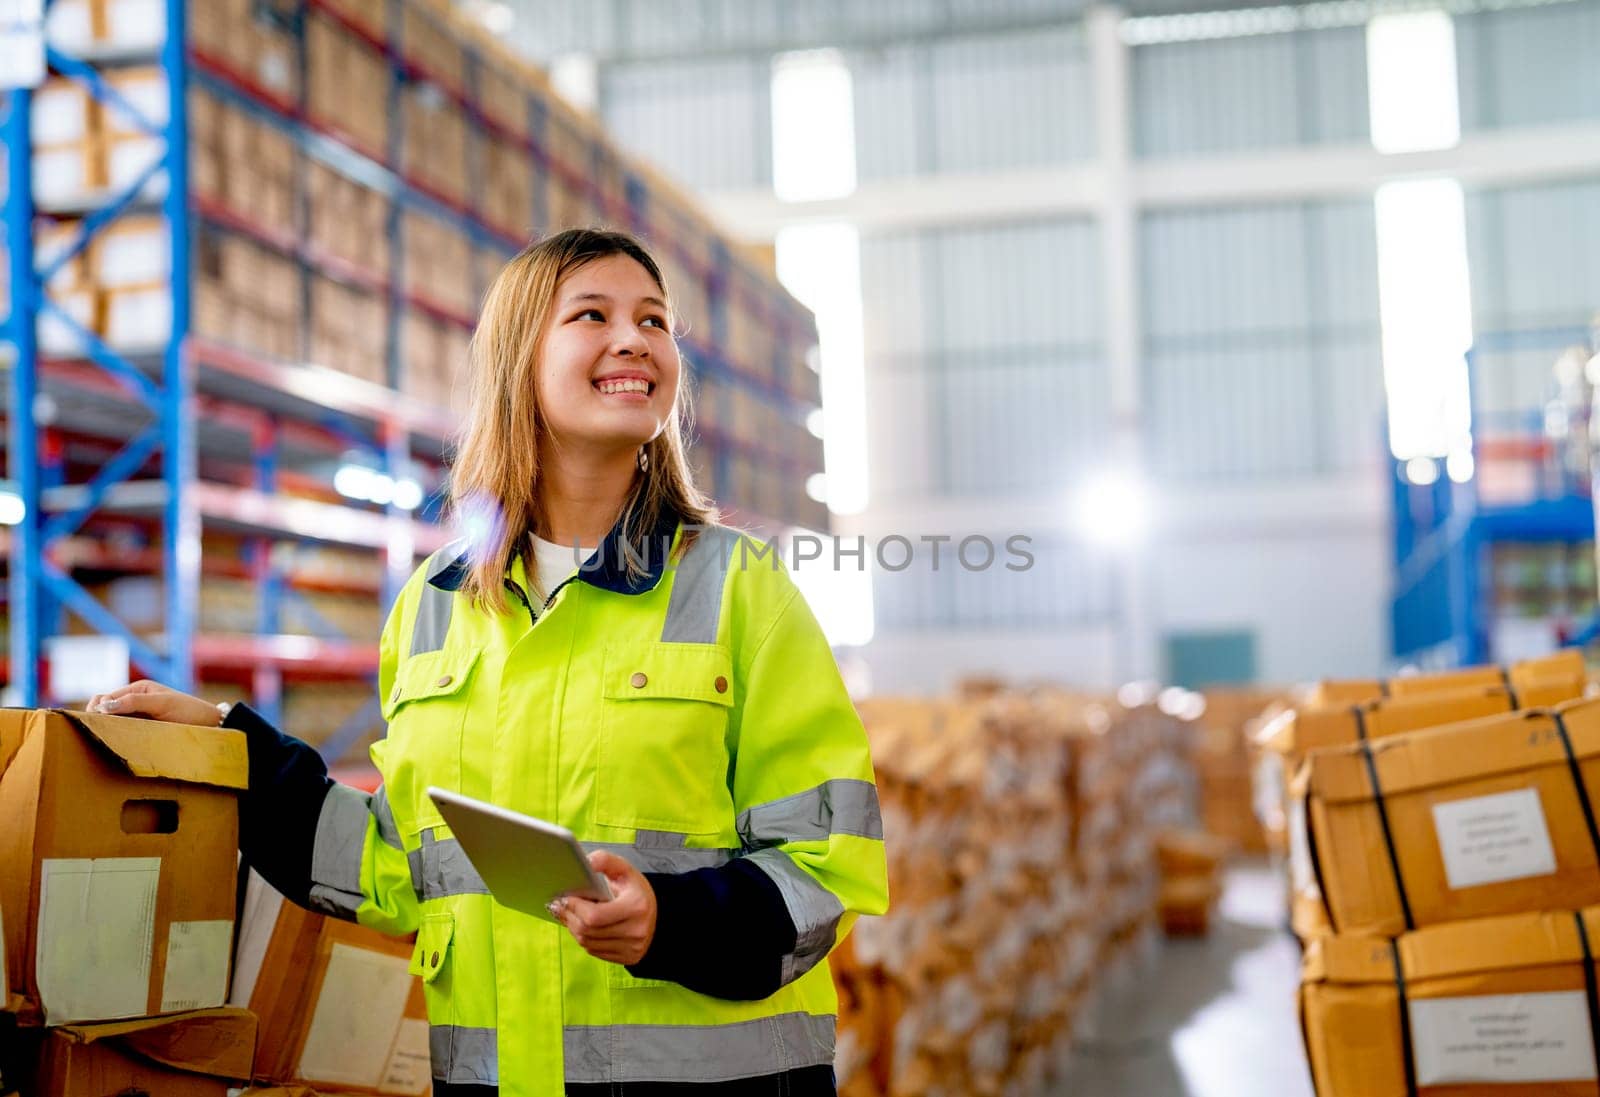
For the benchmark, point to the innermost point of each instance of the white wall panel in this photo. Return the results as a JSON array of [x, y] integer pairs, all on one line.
[[1529, 66], [706, 123], [1534, 254], [1031, 284], [969, 104], [1261, 341], [1066, 584], [1231, 94]]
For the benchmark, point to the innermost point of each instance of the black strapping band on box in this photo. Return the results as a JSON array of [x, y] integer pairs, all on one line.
[[1388, 834], [1578, 785], [1361, 722], [1383, 687], [1590, 989], [1408, 1055], [1314, 858]]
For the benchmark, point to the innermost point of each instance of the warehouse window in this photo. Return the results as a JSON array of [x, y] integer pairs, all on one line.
[[1424, 296], [813, 127]]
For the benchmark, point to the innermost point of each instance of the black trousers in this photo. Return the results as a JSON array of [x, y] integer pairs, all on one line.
[[802, 1082]]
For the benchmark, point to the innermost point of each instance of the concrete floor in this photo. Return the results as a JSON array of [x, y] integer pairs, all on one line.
[[1207, 1017]]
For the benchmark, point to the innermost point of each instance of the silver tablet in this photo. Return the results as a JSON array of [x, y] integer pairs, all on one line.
[[526, 862]]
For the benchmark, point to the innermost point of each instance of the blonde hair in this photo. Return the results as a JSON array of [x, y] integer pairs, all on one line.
[[494, 478]]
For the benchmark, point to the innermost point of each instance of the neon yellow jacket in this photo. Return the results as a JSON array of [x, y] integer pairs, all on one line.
[[690, 718]]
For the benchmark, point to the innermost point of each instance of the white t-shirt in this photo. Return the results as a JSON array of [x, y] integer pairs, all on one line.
[[553, 563]]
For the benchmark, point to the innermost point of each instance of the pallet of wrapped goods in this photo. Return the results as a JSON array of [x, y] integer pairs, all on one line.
[[1486, 817], [1497, 1006], [131, 26], [1566, 664]]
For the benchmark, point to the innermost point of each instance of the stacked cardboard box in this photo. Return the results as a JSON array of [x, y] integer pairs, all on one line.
[[1191, 879], [117, 861], [1225, 763], [437, 264], [435, 142], [1494, 1006], [245, 166], [347, 85], [347, 221], [115, 935], [1429, 830], [247, 295], [243, 35], [347, 330], [435, 359], [1020, 829]]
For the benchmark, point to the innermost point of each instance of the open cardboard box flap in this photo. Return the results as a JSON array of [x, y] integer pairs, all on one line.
[[218, 1042], [177, 752], [1475, 946]]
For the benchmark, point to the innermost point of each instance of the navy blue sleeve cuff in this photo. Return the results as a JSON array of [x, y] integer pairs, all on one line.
[[278, 812], [719, 931]]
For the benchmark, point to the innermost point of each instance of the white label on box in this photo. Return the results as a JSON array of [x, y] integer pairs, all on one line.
[[197, 965], [1502, 1038], [1302, 876], [97, 922], [360, 1005], [409, 1070], [133, 258], [136, 24], [1486, 839]]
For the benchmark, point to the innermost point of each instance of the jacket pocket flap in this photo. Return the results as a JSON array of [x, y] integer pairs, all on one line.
[[686, 672], [432, 674], [433, 945]]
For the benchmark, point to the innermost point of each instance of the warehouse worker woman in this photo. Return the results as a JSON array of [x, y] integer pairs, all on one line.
[[684, 717]]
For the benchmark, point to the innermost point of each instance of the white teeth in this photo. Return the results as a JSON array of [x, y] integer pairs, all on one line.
[[630, 385]]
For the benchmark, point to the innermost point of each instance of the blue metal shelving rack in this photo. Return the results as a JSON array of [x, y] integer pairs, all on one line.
[[267, 398], [1444, 534]]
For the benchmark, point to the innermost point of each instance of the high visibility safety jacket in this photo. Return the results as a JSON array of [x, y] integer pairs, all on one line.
[[687, 715]]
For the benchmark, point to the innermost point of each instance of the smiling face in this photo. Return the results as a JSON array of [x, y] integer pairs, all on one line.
[[608, 365]]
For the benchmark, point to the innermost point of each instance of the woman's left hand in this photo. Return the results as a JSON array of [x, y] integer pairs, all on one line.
[[621, 929]]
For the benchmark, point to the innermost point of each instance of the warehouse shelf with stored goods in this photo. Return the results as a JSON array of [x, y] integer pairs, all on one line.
[[292, 316]]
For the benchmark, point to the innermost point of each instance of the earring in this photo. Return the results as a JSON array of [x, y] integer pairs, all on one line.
[[644, 460]]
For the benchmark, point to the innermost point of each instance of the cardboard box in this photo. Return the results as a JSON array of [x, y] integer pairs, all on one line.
[[138, 317], [117, 833], [145, 90], [193, 1054], [1495, 1007], [1485, 818], [132, 251], [62, 113], [1314, 728], [64, 175], [339, 1008], [1567, 664]]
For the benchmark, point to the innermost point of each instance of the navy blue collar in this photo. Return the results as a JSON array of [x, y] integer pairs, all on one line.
[[607, 566]]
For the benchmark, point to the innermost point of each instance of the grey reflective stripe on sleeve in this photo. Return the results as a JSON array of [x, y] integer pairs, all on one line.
[[696, 599], [696, 1053], [440, 868], [814, 909], [840, 806], [384, 814], [464, 1056], [662, 851], [336, 851], [433, 619]]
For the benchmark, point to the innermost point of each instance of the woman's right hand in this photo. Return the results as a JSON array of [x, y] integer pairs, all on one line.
[[157, 702]]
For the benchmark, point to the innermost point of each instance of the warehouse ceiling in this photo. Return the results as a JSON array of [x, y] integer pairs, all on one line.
[[638, 30]]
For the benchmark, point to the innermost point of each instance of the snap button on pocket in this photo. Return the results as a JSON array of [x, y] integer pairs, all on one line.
[[720, 685], [638, 680], [433, 961], [445, 681]]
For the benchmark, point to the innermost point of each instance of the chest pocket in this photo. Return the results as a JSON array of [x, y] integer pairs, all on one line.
[[663, 751], [426, 710]]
